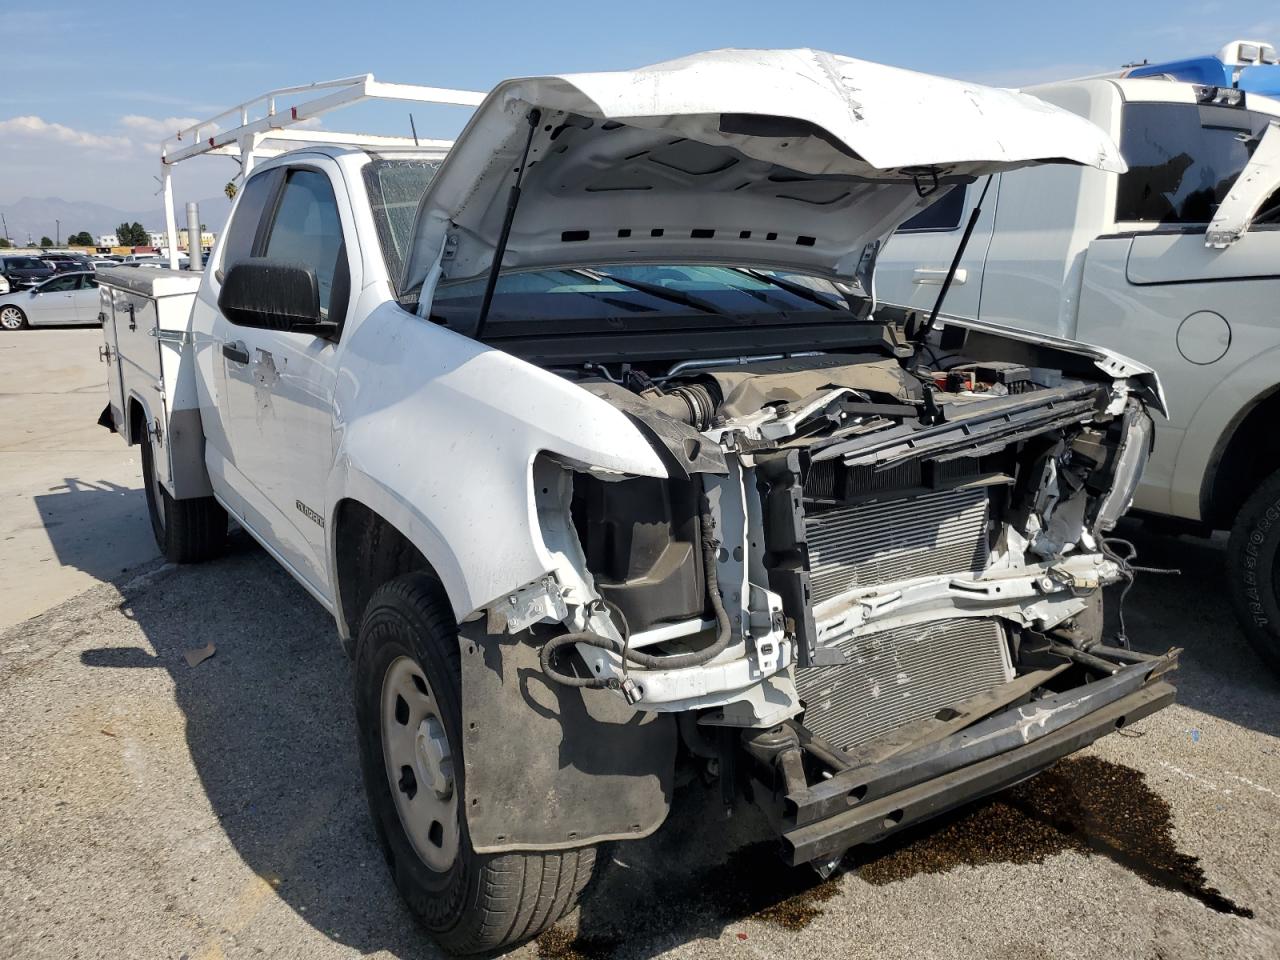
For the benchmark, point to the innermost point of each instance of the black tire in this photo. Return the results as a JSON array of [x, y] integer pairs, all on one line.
[[186, 531], [1253, 564], [9, 311], [478, 902]]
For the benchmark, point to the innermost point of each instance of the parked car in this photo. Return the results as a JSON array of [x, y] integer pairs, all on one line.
[[68, 262], [24, 271], [67, 298], [604, 463], [1173, 262]]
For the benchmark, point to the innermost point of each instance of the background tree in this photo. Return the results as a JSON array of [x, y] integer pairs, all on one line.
[[133, 235], [46, 242], [4, 243], [82, 239]]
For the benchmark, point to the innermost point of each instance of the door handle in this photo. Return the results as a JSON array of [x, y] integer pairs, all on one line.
[[235, 352], [930, 277]]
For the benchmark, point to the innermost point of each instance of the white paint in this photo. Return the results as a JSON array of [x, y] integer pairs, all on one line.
[[857, 124]]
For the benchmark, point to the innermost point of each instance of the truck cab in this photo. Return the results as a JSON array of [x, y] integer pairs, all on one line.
[[1173, 262]]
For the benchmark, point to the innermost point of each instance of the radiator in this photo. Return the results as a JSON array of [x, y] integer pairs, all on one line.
[[891, 540], [897, 676]]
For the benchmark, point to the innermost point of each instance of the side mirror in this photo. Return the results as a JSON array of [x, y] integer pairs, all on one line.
[[274, 295]]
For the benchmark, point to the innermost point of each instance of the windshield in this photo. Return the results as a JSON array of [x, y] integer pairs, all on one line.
[[1183, 159], [25, 263], [394, 188], [617, 292]]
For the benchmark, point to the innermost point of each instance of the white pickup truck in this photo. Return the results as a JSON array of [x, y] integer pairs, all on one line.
[[586, 432], [1175, 262]]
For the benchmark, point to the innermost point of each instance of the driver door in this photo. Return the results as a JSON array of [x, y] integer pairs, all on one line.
[[277, 407]]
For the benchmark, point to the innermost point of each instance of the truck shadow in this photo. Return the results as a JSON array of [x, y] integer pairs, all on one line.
[[1219, 673], [96, 526], [271, 733]]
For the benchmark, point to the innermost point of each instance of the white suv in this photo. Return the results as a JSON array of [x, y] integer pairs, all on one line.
[[1175, 263]]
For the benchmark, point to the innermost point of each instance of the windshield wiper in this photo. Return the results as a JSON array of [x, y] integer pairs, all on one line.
[[655, 290], [797, 289]]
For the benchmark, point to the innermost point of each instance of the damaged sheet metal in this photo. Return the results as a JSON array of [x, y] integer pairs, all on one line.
[[697, 148], [533, 603], [1259, 180], [551, 767]]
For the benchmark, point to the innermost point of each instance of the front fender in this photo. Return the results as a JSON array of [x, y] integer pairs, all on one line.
[[438, 433], [1215, 420]]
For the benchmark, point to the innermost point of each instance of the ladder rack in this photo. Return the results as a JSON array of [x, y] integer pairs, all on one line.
[[279, 120]]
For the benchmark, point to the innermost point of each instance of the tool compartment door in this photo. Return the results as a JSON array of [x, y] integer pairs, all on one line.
[[110, 353], [140, 372]]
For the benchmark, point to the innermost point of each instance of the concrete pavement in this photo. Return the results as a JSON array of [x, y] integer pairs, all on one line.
[[153, 809], [71, 508]]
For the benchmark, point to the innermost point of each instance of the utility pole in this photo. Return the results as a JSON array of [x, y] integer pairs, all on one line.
[[57, 232], [6, 228]]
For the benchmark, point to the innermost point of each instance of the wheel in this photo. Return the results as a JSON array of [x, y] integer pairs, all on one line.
[[12, 318], [409, 721], [186, 531], [1253, 562]]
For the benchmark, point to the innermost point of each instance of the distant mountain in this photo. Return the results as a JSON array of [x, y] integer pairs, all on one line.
[[37, 216]]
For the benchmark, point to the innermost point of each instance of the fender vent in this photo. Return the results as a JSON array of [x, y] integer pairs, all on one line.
[[897, 676]]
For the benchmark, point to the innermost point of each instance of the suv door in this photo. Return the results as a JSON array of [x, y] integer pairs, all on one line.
[[279, 384], [913, 264]]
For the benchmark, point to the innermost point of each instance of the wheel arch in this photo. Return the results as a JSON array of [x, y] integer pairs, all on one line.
[[137, 416], [1215, 428], [366, 550], [1246, 454]]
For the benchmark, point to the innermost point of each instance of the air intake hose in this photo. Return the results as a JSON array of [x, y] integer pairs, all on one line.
[[691, 403]]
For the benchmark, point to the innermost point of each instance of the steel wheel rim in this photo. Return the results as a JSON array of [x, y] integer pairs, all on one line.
[[420, 764], [11, 318]]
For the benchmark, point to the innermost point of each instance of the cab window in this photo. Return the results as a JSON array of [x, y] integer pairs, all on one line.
[[306, 229], [1183, 158], [243, 229]]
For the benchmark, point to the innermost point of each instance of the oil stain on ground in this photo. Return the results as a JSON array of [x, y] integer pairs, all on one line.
[[1084, 804]]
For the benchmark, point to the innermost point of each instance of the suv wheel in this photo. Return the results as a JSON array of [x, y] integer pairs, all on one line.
[[1253, 558], [12, 318], [408, 693]]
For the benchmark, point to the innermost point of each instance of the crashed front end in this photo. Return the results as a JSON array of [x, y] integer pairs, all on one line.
[[863, 544], [882, 573]]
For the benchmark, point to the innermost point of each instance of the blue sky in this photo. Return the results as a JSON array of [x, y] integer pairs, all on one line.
[[86, 88]]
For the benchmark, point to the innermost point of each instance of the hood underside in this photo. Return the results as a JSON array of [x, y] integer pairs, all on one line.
[[787, 159]]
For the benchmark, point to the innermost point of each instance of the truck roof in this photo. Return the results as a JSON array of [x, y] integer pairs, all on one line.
[[1242, 73]]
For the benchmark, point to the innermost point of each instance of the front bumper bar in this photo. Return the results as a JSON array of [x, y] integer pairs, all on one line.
[[863, 802]]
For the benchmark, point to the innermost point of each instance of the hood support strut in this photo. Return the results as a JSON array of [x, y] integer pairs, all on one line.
[[499, 251], [955, 261]]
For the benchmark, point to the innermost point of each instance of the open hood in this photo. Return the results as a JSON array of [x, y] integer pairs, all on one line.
[[783, 159]]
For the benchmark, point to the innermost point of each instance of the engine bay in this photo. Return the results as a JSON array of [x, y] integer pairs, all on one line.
[[837, 525]]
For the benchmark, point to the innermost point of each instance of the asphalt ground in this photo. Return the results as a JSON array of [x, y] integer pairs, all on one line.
[[150, 808]]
